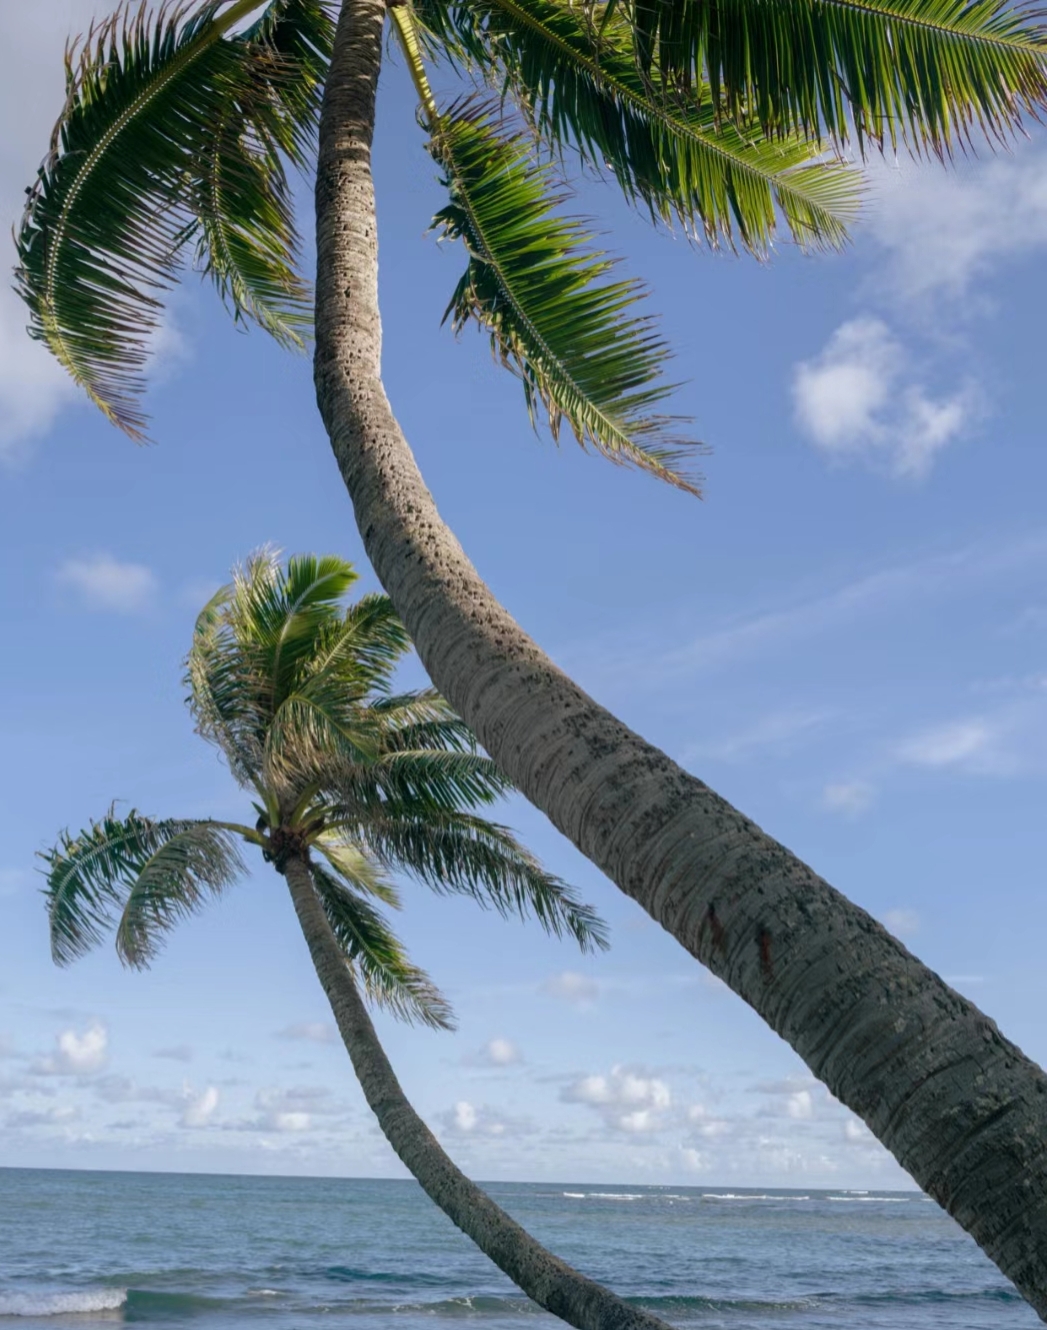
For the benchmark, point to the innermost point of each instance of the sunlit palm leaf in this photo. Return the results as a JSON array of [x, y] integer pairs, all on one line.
[[171, 127], [928, 71], [370, 946], [579, 85], [532, 283], [453, 851], [138, 874]]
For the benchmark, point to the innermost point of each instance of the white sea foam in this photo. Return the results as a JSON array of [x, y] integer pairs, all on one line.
[[62, 1304], [605, 1195], [877, 1200]]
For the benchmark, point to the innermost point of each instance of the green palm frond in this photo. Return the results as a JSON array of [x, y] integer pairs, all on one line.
[[362, 874], [138, 874], [370, 946], [926, 72], [454, 851], [172, 129], [672, 151], [278, 666], [532, 283], [423, 719]]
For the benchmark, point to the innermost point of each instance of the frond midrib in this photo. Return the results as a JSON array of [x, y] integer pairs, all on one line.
[[594, 67], [137, 105], [612, 426]]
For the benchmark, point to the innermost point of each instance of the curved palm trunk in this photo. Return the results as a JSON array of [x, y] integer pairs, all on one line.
[[959, 1106], [546, 1279]]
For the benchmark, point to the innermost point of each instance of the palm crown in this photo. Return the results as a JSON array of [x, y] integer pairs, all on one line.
[[357, 780], [180, 123]]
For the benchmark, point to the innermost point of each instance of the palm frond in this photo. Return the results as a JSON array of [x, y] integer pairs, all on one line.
[[363, 875], [454, 851], [254, 670], [370, 946], [171, 129], [137, 874], [553, 319], [926, 72], [672, 150]]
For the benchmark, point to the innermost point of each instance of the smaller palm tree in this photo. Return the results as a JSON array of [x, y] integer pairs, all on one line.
[[352, 783]]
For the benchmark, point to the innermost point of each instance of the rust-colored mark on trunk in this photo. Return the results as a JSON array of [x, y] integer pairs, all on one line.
[[712, 922], [763, 938]]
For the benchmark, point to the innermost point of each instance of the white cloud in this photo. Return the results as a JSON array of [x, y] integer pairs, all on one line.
[[626, 1100], [312, 1032], [200, 1109], [851, 797], [78, 1054], [902, 923], [105, 583], [960, 743], [466, 1119], [705, 1123], [465, 1116], [499, 1053], [572, 987], [943, 229], [800, 1105], [857, 400]]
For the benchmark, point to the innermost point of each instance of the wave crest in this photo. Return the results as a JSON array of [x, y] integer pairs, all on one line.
[[63, 1304]]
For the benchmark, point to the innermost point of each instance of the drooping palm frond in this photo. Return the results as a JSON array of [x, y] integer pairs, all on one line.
[[673, 151], [553, 318], [926, 72], [370, 946], [172, 129], [138, 874], [454, 851]]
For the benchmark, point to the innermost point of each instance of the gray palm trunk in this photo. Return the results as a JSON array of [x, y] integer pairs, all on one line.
[[546, 1279], [958, 1105]]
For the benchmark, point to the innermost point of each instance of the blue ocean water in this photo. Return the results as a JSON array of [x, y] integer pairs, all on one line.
[[80, 1250]]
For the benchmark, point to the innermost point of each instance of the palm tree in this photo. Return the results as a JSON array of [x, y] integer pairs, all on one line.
[[352, 782], [720, 117]]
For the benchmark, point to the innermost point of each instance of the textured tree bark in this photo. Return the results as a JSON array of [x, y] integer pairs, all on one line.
[[546, 1279], [959, 1106]]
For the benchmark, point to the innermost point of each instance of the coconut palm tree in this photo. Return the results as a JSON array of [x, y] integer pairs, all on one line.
[[711, 116], [352, 782]]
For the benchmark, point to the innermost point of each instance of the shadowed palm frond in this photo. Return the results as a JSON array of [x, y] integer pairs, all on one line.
[[926, 72], [579, 85], [453, 851], [138, 874], [172, 130], [370, 946], [535, 287]]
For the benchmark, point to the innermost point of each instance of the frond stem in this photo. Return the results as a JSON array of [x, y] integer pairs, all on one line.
[[407, 32]]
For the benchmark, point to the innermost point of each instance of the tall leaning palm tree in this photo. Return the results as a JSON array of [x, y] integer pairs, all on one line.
[[352, 783], [720, 117]]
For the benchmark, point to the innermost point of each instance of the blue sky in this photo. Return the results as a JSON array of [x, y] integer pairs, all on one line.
[[846, 638]]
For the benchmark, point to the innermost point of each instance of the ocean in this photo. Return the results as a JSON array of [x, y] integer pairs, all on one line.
[[81, 1250]]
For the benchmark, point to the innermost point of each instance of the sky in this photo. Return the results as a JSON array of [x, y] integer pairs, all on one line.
[[846, 637]]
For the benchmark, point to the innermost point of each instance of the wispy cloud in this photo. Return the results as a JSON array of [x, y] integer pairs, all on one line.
[[850, 797], [311, 1032], [778, 730], [200, 1108], [106, 583], [858, 400], [572, 987], [945, 229], [902, 922], [969, 744]]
